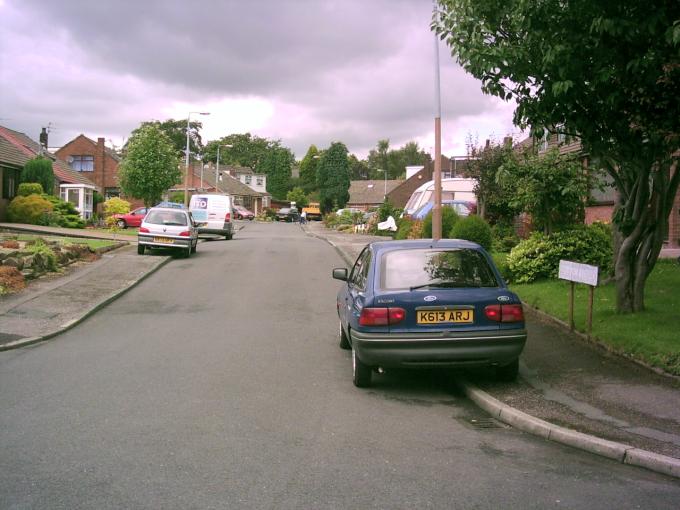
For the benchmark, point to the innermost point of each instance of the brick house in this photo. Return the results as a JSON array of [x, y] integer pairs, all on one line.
[[16, 149], [95, 160], [202, 180], [601, 203], [367, 194]]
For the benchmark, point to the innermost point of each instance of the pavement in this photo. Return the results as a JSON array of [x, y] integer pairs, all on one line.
[[569, 391]]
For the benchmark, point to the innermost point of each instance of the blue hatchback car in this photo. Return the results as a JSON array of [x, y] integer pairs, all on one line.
[[424, 303]]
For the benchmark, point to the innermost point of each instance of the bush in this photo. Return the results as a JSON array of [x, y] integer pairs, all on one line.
[[403, 228], [472, 228], [386, 210], [504, 238], [64, 213], [449, 219], [33, 209], [39, 170], [29, 188], [540, 255], [43, 256]]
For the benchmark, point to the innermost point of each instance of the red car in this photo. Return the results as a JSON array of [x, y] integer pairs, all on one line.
[[242, 213], [131, 219]]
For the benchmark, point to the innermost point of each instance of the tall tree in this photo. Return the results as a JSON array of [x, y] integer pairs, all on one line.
[[39, 170], [176, 131], [333, 177], [606, 72], [551, 187], [150, 165], [277, 164], [394, 161], [483, 165], [358, 169], [308, 169], [246, 150]]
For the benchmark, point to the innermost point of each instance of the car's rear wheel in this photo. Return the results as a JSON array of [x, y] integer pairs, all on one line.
[[188, 252], [344, 341], [140, 249], [508, 373], [193, 248], [228, 237], [121, 224], [361, 374]]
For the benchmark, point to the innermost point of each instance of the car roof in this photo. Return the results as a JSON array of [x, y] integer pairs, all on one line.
[[173, 209], [380, 246]]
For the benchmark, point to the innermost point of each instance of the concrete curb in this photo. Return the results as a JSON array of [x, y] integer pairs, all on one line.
[[619, 452], [23, 342], [342, 254]]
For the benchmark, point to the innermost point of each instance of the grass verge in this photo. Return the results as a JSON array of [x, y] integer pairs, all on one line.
[[91, 243], [650, 336]]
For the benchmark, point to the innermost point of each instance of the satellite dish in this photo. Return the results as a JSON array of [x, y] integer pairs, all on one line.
[[70, 159]]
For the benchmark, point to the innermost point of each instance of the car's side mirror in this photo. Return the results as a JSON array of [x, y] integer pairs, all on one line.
[[340, 274]]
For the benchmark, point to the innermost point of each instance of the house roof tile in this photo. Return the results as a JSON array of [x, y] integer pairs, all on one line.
[[19, 148], [370, 192]]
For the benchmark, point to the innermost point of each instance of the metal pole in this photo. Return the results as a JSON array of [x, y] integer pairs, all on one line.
[[385, 196], [437, 208], [590, 309], [186, 168], [571, 306], [217, 169]]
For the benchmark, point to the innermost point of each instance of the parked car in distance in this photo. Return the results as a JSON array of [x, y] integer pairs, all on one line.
[[168, 227], [287, 214], [462, 208], [313, 211], [213, 213], [132, 219], [242, 213], [424, 303]]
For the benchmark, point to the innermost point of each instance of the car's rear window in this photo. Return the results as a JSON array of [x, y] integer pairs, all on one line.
[[166, 218], [408, 268]]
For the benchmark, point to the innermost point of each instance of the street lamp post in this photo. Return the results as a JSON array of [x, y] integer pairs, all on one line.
[[217, 168], [385, 174], [186, 169]]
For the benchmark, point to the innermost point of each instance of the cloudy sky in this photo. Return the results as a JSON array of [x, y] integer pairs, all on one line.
[[302, 71]]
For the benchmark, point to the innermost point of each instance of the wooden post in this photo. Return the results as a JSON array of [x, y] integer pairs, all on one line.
[[590, 309], [571, 306]]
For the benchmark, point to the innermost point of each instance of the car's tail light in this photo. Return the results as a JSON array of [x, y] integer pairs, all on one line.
[[143, 230], [504, 313], [381, 316], [186, 233], [227, 217]]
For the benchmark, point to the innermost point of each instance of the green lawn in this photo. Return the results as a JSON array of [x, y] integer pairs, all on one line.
[[652, 336], [92, 243], [121, 232]]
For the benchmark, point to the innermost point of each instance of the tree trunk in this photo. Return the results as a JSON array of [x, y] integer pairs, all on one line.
[[640, 223]]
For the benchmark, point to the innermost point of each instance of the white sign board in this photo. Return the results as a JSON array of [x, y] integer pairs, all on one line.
[[580, 273]]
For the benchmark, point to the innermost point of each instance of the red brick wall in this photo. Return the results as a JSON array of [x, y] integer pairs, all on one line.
[[601, 213], [400, 195], [105, 174]]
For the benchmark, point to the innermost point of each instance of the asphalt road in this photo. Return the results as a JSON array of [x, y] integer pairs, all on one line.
[[218, 383]]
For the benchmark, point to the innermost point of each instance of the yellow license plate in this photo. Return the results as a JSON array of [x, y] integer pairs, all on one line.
[[163, 240], [445, 316]]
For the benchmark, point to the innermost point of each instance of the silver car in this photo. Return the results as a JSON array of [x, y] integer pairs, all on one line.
[[166, 227]]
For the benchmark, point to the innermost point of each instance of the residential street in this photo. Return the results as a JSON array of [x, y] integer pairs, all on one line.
[[218, 382]]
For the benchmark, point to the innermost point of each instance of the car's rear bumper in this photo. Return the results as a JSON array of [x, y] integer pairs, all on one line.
[[177, 242], [220, 230], [484, 348]]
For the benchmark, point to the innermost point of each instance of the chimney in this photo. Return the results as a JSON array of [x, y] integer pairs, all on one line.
[[43, 138]]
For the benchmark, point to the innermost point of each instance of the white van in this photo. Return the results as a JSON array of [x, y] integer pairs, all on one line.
[[454, 188], [214, 214]]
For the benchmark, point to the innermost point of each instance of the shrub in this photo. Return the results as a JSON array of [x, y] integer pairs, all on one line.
[[63, 214], [39, 170], [403, 228], [416, 231], [43, 256], [115, 205], [449, 219], [29, 188], [539, 256], [504, 238], [472, 228], [386, 210], [32, 209]]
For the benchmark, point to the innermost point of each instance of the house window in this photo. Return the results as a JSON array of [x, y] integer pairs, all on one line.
[[9, 183], [544, 141], [84, 163], [248, 179], [259, 181], [111, 192]]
